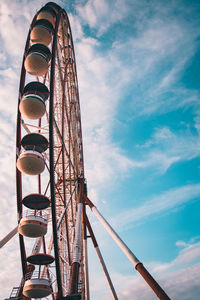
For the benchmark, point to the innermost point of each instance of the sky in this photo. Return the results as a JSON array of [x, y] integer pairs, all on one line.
[[138, 64]]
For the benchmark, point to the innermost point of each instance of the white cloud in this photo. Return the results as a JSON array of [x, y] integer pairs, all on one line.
[[167, 147], [11, 31], [181, 244], [164, 202], [172, 74], [100, 92], [181, 284], [77, 29], [179, 278], [10, 269], [188, 255], [99, 97], [98, 13], [157, 37], [8, 74], [154, 65]]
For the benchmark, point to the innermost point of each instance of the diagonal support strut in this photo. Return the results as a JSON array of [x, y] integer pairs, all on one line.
[[134, 260]]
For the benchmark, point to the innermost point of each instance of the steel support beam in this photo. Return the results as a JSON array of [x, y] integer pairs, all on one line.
[[8, 237], [134, 260], [85, 253], [101, 258], [76, 251]]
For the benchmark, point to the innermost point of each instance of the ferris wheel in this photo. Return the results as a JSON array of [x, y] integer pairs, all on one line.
[[52, 197]]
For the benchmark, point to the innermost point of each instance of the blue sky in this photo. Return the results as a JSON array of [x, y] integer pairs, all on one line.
[[139, 73]]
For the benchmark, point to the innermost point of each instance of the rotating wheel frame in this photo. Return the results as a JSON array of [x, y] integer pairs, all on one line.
[[62, 181]]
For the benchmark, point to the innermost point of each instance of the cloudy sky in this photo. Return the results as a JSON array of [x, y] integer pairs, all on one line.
[[138, 67]]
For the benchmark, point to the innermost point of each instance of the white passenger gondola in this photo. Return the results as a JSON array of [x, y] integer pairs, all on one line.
[[37, 288], [32, 104], [37, 284], [32, 226], [37, 60], [42, 32], [47, 13], [31, 160]]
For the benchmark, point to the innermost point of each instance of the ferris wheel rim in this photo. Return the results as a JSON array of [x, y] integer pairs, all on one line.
[[51, 146], [51, 154]]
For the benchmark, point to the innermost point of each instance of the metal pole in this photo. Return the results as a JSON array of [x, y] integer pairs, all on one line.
[[85, 255], [101, 258], [8, 237], [151, 282], [87, 291], [106, 272], [134, 260], [76, 251], [137, 264], [37, 245]]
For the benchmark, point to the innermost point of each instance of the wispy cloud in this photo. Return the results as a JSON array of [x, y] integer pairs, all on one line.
[[10, 256], [187, 256], [179, 278], [145, 52], [95, 13], [156, 205], [166, 147], [180, 284]]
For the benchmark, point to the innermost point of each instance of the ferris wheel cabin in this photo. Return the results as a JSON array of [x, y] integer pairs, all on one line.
[[48, 13], [37, 60], [32, 104], [42, 32], [31, 160], [33, 226], [37, 288]]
